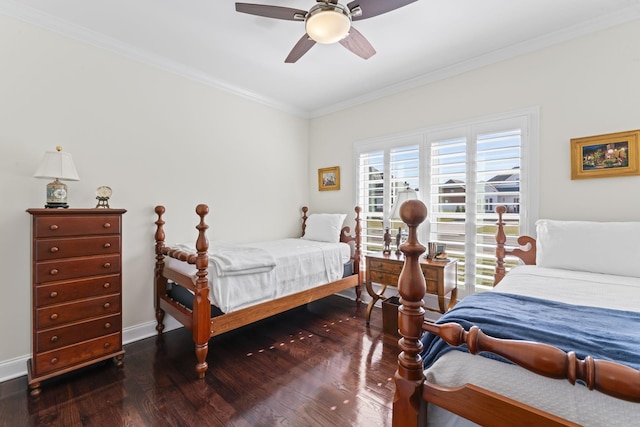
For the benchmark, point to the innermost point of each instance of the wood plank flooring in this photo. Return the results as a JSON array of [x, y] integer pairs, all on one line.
[[317, 365]]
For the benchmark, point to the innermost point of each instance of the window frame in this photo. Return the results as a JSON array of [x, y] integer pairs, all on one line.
[[526, 119]]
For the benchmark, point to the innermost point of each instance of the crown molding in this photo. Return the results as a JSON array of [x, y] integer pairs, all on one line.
[[601, 23], [33, 16], [82, 34]]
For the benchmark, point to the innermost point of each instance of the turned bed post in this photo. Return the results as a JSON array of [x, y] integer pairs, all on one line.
[[501, 238], [412, 288], [201, 305], [527, 255], [159, 281]]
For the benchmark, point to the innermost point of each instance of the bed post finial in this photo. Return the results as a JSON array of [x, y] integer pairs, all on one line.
[[412, 288], [159, 281], [201, 304], [304, 219], [501, 238]]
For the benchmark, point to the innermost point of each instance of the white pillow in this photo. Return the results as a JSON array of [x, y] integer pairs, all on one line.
[[324, 227], [598, 247]]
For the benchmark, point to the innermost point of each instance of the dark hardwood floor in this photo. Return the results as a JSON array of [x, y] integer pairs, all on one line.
[[317, 365]]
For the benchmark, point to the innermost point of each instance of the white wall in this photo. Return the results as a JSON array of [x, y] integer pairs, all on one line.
[[154, 138], [587, 86]]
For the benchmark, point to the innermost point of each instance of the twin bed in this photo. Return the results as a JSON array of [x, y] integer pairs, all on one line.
[[568, 321], [212, 289]]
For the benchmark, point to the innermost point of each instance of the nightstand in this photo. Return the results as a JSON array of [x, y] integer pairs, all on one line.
[[440, 276]]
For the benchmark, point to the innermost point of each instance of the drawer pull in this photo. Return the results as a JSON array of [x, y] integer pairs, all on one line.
[[107, 345], [54, 338], [107, 245], [107, 325], [53, 294], [54, 249], [53, 271], [107, 305], [107, 265], [53, 227], [106, 225], [54, 316], [106, 285], [54, 361], [379, 276], [379, 265]]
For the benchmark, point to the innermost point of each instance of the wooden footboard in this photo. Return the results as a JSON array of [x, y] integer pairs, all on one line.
[[474, 403], [199, 319]]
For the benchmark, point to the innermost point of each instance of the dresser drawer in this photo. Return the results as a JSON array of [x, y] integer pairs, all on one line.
[[76, 289], [78, 332], [77, 225], [55, 315], [46, 249], [385, 267], [48, 271], [83, 352]]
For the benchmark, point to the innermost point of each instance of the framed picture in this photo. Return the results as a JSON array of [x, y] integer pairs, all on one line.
[[601, 156], [329, 178]]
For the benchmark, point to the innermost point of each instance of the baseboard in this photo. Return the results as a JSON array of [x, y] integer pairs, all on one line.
[[14, 368]]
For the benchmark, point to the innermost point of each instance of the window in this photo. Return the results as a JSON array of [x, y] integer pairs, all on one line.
[[462, 172]]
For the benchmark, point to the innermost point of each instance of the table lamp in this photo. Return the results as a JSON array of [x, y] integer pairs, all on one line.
[[403, 196], [57, 165]]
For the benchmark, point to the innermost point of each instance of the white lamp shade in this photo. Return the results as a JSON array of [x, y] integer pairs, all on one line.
[[328, 26], [403, 196], [56, 164]]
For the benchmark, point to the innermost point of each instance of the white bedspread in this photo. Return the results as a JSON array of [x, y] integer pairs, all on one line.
[[236, 260], [299, 265], [559, 397]]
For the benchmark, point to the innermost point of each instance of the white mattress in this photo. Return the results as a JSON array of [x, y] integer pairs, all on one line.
[[300, 264], [558, 397]]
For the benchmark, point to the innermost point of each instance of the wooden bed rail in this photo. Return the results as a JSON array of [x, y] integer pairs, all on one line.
[[526, 252], [607, 377]]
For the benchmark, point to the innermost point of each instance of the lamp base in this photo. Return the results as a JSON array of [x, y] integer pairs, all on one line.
[[56, 205]]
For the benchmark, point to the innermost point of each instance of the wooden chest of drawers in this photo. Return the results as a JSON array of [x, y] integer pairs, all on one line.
[[76, 290]]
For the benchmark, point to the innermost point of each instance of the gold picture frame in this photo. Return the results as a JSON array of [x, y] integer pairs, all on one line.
[[329, 178], [608, 155]]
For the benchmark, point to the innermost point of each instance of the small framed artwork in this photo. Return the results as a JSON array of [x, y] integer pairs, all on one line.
[[329, 178], [609, 155]]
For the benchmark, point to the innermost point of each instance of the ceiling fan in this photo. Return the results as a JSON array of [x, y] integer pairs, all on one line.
[[328, 22]]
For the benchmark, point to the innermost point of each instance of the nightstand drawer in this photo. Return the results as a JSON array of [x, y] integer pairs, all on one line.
[[47, 249], [430, 273], [48, 271], [59, 359], [385, 266], [58, 225], [384, 278], [76, 289], [60, 314], [75, 333]]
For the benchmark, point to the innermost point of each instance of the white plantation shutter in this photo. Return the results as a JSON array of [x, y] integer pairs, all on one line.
[[381, 174], [463, 172]]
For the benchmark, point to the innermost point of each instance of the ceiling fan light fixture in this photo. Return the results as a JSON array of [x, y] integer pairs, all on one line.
[[328, 23]]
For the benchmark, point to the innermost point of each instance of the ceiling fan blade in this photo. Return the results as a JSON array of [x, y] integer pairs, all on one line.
[[278, 12], [371, 8], [304, 44], [358, 44]]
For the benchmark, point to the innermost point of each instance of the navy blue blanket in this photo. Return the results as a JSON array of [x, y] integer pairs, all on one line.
[[602, 333]]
